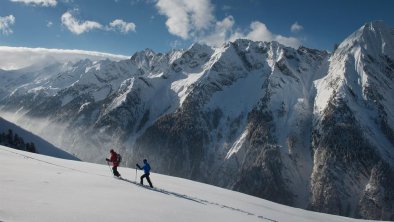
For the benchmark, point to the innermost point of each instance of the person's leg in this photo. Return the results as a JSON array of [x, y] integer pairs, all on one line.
[[115, 171], [148, 179], [142, 179], [118, 172]]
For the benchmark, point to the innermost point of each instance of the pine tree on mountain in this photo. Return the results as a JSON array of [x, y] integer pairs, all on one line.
[[9, 138], [28, 147], [15, 141], [22, 143], [2, 138], [31, 147], [18, 142]]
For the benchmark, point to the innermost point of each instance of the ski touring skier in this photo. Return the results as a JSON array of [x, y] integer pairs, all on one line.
[[115, 162], [146, 169]]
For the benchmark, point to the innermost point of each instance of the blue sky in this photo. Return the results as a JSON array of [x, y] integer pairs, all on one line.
[[126, 26]]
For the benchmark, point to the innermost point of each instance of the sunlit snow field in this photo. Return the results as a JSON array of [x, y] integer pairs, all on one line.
[[41, 188]]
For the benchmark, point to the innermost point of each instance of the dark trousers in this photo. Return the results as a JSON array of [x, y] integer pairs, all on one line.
[[115, 171], [147, 178]]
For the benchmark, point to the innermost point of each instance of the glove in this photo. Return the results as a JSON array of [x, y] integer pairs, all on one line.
[[107, 159]]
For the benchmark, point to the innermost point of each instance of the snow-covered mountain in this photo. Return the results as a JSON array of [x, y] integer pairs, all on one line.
[[42, 188], [300, 127], [353, 133], [42, 146]]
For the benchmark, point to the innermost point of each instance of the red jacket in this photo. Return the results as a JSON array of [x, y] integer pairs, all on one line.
[[114, 159]]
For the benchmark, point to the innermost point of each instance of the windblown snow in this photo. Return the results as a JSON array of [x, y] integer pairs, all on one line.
[[42, 146]]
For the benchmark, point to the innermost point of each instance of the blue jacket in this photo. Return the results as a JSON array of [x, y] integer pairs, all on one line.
[[146, 168]]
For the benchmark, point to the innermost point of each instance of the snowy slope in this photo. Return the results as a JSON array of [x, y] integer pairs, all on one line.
[[41, 188], [42, 146]]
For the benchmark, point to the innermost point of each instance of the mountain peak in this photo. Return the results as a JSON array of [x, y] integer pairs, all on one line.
[[378, 29], [376, 38], [376, 25], [149, 51], [198, 47], [146, 53]]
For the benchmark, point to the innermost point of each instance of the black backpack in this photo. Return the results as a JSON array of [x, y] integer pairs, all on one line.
[[118, 158]]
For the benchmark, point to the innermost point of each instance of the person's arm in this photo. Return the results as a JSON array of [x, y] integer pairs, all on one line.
[[138, 166]]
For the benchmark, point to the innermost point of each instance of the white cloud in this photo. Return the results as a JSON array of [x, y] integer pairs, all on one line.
[[5, 23], [220, 33], [194, 19], [122, 26], [186, 18], [45, 3], [296, 27], [78, 27], [259, 32], [288, 41], [20, 57]]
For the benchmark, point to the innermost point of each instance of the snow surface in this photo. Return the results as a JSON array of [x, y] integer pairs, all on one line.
[[180, 87], [237, 145], [40, 188], [240, 97]]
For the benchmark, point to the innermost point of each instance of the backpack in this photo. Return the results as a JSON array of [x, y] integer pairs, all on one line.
[[118, 158]]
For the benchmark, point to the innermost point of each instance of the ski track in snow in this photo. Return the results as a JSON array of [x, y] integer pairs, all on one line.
[[53, 164], [197, 200], [162, 191]]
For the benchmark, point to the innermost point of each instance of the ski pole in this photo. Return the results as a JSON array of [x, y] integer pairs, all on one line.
[[135, 175], [109, 167]]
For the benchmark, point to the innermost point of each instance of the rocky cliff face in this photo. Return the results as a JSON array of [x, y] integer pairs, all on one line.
[[301, 127], [353, 130]]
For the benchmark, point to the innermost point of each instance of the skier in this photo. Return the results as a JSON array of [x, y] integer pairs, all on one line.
[[146, 168], [115, 162]]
